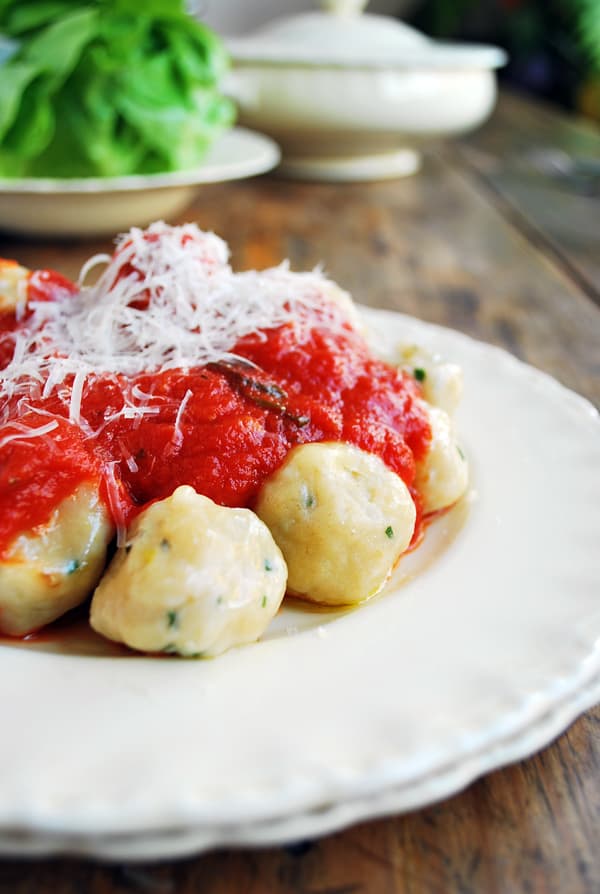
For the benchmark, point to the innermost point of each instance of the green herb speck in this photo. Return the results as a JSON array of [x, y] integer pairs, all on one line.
[[219, 600], [73, 565], [264, 602], [419, 374], [268, 566], [172, 619], [171, 649], [389, 532], [308, 499], [460, 453]]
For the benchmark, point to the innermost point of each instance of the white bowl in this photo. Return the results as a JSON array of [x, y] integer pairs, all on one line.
[[101, 206], [351, 97]]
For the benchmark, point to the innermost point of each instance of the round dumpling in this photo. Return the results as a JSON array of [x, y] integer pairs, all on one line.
[[13, 285], [48, 571], [441, 381], [443, 475], [193, 579], [342, 519]]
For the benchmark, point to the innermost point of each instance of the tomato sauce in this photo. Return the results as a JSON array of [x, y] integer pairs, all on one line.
[[223, 428], [35, 476]]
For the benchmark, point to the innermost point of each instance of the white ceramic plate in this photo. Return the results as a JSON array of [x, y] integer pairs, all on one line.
[[93, 206], [480, 658]]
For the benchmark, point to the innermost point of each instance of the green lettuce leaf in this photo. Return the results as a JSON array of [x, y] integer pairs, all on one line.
[[17, 19], [107, 88]]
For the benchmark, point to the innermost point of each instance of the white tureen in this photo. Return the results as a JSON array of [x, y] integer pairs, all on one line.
[[350, 96]]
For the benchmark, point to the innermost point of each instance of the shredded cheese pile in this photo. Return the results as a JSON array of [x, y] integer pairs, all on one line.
[[191, 310]]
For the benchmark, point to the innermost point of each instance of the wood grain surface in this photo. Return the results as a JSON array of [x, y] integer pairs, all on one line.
[[544, 171], [457, 244]]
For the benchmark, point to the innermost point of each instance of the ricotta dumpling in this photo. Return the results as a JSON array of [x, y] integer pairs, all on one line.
[[13, 285], [193, 579], [442, 477], [342, 519], [441, 381], [53, 568]]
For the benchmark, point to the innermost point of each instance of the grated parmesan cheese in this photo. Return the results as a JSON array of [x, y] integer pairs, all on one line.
[[25, 433], [76, 393], [114, 495], [167, 299], [178, 434]]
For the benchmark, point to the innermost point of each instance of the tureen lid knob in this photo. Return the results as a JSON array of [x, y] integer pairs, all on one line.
[[344, 7]]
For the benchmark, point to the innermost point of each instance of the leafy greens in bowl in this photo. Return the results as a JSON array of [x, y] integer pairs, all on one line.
[[106, 88]]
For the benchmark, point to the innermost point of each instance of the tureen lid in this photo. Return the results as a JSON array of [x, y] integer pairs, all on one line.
[[342, 36]]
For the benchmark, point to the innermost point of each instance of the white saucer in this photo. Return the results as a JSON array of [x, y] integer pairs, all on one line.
[[375, 166], [99, 206]]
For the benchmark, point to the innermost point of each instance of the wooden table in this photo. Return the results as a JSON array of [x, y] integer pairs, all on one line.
[[484, 241]]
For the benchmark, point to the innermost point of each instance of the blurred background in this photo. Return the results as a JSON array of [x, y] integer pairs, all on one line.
[[239, 16], [110, 88], [553, 45]]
